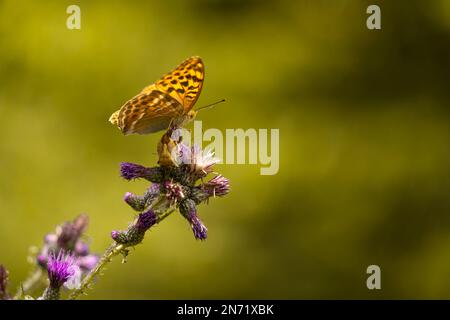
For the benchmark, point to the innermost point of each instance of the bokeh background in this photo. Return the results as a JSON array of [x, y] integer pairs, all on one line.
[[364, 143]]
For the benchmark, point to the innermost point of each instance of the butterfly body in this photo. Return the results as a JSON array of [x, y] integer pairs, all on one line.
[[166, 146], [169, 101]]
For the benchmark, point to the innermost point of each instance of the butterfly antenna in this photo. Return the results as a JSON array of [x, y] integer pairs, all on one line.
[[211, 105]]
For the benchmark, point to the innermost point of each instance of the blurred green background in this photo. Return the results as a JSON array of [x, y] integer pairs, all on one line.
[[364, 143]]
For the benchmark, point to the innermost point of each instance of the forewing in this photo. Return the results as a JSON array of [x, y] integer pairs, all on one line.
[[148, 112], [184, 83]]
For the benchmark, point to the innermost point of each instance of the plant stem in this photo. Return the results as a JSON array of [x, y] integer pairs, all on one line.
[[113, 250], [29, 284]]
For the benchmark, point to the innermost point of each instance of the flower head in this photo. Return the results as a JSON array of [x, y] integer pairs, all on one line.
[[202, 161], [145, 220], [69, 233], [60, 268], [135, 233], [134, 201], [68, 238], [189, 211], [196, 161], [131, 171], [199, 229], [217, 186], [119, 236]]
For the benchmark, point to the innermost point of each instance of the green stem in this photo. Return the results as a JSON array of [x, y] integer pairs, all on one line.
[[30, 283], [113, 250]]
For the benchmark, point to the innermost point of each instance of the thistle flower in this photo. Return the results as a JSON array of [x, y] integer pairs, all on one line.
[[70, 232], [202, 161], [135, 233], [218, 186], [62, 270], [199, 229], [189, 211], [59, 268], [134, 201], [145, 221], [139, 203], [131, 171], [197, 162], [3, 283], [68, 238]]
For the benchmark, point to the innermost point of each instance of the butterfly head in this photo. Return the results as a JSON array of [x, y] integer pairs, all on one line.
[[190, 116], [184, 119]]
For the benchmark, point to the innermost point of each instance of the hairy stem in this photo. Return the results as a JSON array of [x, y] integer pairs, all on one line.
[[111, 252]]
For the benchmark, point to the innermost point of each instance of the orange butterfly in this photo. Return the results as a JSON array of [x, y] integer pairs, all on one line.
[[168, 101]]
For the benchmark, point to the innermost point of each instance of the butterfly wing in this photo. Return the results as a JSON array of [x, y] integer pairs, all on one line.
[[184, 83], [158, 104], [114, 119], [147, 112]]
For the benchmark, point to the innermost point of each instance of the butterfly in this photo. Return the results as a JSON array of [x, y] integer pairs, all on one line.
[[167, 102]]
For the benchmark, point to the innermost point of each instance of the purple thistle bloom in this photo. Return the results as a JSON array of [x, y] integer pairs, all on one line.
[[127, 197], [59, 268], [131, 171], [115, 234], [199, 229], [202, 161], [189, 211], [197, 162], [70, 232], [135, 232], [120, 236], [217, 186], [66, 238], [145, 221], [134, 201]]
